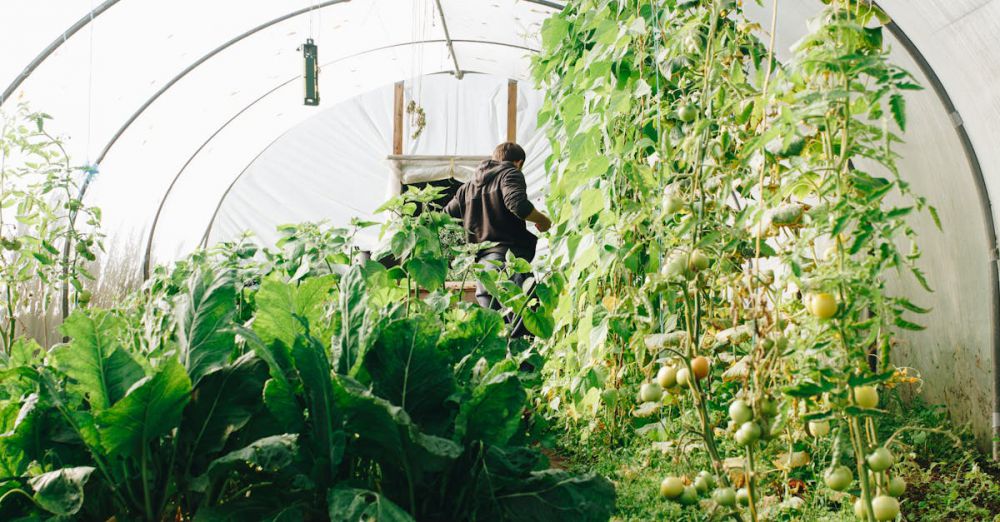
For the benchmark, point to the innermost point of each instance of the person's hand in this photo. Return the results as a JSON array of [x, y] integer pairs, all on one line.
[[544, 225]]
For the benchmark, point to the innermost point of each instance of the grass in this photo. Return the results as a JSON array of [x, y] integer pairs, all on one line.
[[946, 480]]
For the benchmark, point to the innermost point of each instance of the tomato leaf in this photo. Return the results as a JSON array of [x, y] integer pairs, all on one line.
[[897, 105]]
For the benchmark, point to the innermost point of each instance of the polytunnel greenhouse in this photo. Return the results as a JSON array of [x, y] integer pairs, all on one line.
[[445, 260]]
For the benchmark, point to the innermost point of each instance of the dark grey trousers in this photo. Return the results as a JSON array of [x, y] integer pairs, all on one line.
[[488, 301]]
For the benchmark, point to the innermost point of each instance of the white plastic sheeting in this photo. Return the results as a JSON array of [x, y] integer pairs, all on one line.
[[334, 165], [955, 353], [102, 75]]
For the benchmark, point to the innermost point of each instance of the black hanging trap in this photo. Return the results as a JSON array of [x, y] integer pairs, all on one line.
[[311, 54]]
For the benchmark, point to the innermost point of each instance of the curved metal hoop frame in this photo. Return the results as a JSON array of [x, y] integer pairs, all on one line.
[[159, 209], [939, 89]]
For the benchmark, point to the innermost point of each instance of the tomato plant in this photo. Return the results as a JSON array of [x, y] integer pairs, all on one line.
[[47, 235], [714, 205]]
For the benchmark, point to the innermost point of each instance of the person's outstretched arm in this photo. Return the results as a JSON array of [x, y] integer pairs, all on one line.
[[541, 221], [515, 197]]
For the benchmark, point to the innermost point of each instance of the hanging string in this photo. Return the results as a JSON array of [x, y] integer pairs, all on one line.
[[90, 86], [312, 15], [659, 123], [656, 65]]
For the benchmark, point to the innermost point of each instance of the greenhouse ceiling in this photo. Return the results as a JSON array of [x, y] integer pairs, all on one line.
[[177, 100], [150, 88], [777, 254]]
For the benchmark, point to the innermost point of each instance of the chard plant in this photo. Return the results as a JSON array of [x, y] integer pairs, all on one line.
[[725, 224], [251, 388]]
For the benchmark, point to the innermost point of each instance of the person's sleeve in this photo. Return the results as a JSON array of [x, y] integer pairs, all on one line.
[[515, 194], [454, 207]]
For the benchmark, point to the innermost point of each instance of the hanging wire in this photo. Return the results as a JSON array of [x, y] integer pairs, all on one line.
[[90, 85], [656, 65], [659, 124]]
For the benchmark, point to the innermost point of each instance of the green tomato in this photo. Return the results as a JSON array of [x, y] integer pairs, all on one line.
[[671, 487], [704, 482], [866, 396], [880, 460], [688, 112], [740, 411], [748, 433], [650, 392], [610, 396], [743, 496], [767, 407], [819, 428], [838, 478], [667, 377], [683, 377], [896, 487], [822, 305], [885, 507], [859, 509], [84, 297], [697, 261], [725, 497], [689, 497]]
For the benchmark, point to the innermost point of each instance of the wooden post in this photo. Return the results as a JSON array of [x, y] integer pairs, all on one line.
[[512, 111], [397, 121]]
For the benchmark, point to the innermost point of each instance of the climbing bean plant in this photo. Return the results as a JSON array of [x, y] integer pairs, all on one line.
[[725, 224]]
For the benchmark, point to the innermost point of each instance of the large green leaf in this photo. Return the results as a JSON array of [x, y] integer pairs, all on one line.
[[60, 492], [509, 491], [428, 272], [283, 309], [205, 314], [283, 404], [353, 309], [270, 455], [386, 434], [407, 368], [325, 436], [348, 504], [493, 413], [556, 495], [99, 368], [476, 333], [23, 437], [221, 404], [150, 409], [279, 391]]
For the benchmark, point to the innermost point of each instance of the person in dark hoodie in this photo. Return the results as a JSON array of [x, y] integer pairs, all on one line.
[[494, 207]]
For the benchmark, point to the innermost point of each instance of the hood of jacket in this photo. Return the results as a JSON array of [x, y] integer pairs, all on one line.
[[490, 169]]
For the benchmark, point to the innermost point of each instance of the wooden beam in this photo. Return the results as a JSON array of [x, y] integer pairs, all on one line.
[[397, 120], [512, 111]]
